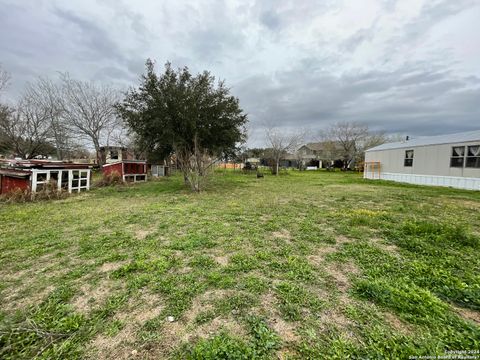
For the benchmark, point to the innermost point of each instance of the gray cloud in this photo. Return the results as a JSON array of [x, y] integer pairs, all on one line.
[[294, 63], [92, 40], [408, 100]]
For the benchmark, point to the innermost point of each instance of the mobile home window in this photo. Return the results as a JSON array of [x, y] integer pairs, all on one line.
[[458, 155], [408, 158], [473, 156]]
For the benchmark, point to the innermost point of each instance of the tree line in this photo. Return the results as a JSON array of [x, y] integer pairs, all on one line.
[[60, 117]]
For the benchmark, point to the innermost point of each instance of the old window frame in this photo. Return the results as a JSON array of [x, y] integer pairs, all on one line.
[[83, 178]]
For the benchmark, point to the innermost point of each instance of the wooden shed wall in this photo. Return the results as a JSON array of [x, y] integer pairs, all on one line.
[[9, 183], [114, 168]]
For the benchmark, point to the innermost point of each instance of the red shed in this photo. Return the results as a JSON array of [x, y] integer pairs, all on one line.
[[35, 174], [11, 180], [129, 170]]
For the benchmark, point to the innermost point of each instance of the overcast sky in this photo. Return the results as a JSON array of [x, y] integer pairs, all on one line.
[[409, 66]]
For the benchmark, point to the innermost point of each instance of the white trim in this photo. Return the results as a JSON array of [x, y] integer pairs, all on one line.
[[59, 180], [70, 178], [126, 162], [457, 182], [135, 177], [83, 175]]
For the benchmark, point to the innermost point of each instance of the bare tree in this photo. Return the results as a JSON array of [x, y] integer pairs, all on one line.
[[88, 110], [349, 140], [46, 95], [280, 143], [26, 130], [4, 79], [5, 110], [348, 137]]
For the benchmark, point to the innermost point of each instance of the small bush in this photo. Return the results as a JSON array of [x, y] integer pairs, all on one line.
[[111, 179]]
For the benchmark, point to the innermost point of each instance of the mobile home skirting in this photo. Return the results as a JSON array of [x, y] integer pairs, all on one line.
[[432, 180]]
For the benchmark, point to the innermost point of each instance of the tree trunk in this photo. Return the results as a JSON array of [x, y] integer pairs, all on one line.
[[277, 165], [97, 152]]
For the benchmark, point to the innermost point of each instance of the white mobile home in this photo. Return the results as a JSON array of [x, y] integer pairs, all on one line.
[[446, 160]]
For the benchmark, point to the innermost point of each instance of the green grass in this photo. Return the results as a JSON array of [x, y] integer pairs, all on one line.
[[306, 265]]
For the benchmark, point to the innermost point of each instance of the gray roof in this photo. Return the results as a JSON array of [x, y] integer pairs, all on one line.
[[431, 140]]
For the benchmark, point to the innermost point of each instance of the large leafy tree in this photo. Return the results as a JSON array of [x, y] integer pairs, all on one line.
[[191, 117]]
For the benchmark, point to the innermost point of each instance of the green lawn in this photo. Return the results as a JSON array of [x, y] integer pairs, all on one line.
[[307, 265]]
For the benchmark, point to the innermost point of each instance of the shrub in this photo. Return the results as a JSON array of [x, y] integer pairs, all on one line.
[[48, 192], [111, 179]]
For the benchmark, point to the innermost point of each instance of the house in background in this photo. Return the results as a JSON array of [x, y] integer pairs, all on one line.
[[113, 154], [320, 154], [34, 175], [446, 160]]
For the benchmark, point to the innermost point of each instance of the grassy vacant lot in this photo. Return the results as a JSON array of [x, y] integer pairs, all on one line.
[[305, 265]]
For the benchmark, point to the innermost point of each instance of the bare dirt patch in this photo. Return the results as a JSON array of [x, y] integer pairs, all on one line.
[[282, 234], [319, 256], [340, 239], [184, 270], [141, 234], [340, 274], [286, 330], [228, 324], [30, 286], [222, 260], [17, 302], [397, 324], [185, 330], [334, 318], [468, 314], [390, 248], [92, 296], [112, 266]]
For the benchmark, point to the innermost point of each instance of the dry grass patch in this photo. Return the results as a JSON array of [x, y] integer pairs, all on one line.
[[112, 266], [398, 324], [14, 300], [331, 317], [172, 334], [93, 296], [286, 330], [124, 345], [30, 286], [222, 260], [340, 239], [340, 272], [282, 234]]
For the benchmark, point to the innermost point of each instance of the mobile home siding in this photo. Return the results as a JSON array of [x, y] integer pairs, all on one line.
[[431, 166]]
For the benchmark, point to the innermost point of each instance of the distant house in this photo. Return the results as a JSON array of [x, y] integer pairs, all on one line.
[[113, 154], [320, 154], [446, 160], [34, 175]]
